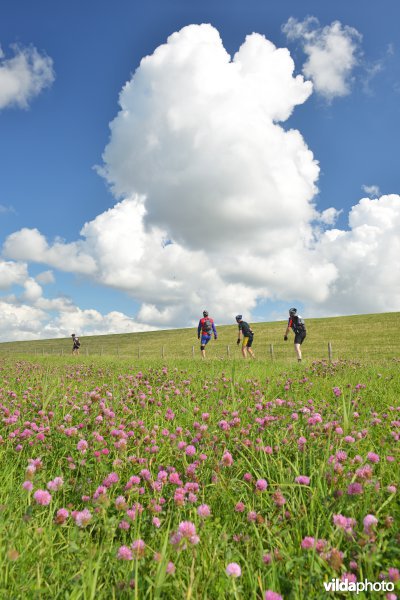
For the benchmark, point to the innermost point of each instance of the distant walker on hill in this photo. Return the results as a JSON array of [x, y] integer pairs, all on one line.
[[75, 344], [297, 325], [206, 328]]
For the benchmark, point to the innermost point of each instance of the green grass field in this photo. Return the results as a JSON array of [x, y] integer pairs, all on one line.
[[173, 478], [371, 337]]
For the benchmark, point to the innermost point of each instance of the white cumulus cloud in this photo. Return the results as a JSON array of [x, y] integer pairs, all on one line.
[[27, 314], [30, 244], [23, 76], [333, 53], [207, 151], [91, 322], [32, 290], [174, 283], [20, 322], [367, 257], [12, 273]]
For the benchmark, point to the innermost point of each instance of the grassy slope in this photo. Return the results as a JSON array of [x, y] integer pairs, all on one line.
[[361, 336]]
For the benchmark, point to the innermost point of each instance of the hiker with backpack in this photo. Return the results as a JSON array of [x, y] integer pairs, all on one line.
[[75, 344], [297, 325], [205, 330], [248, 336]]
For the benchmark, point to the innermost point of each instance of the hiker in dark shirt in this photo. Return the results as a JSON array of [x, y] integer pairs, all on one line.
[[75, 344], [297, 325], [206, 328], [248, 336]]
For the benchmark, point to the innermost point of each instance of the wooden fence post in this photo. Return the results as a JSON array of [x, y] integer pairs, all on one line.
[[228, 351], [329, 351], [193, 351], [162, 352], [271, 351], [138, 352]]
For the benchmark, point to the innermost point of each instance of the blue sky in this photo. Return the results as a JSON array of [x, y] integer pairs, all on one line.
[[253, 240]]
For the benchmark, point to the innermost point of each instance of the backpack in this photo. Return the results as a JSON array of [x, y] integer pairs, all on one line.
[[299, 325], [207, 326]]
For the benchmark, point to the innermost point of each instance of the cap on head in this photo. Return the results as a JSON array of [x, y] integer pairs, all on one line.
[[72, 335], [238, 317], [292, 312], [205, 313]]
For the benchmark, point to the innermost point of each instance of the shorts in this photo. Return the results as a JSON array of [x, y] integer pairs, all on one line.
[[205, 338], [247, 342], [299, 337]]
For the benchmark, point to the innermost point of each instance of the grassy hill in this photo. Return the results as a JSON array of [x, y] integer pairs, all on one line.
[[373, 337]]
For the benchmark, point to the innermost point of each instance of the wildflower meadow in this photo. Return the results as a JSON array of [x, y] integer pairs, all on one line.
[[197, 479]]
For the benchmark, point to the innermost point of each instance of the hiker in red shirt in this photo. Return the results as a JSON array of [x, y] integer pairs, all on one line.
[[205, 329]]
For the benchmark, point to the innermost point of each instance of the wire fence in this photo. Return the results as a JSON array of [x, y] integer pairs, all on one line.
[[263, 350]]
